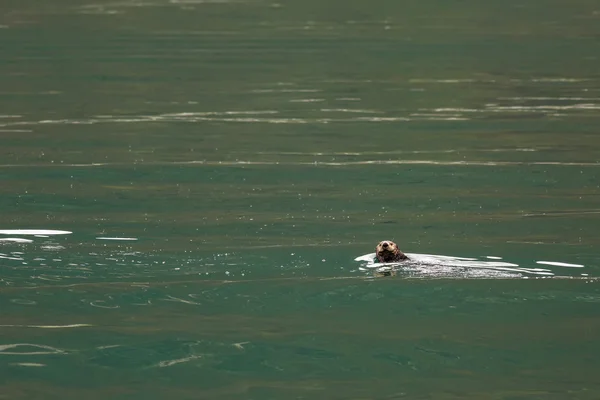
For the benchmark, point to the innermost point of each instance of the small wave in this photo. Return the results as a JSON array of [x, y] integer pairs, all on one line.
[[581, 106], [397, 152], [452, 109], [23, 302], [311, 163], [376, 119], [117, 238], [286, 90], [113, 7], [561, 213], [350, 110], [442, 80], [25, 364], [11, 258], [38, 349], [16, 240], [306, 100], [52, 247], [559, 80], [178, 300], [560, 264], [261, 116], [208, 113], [542, 98], [438, 115], [168, 363], [47, 326], [99, 304], [33, 232], [441, 118]]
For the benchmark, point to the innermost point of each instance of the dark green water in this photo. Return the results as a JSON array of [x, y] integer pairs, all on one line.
[[246, 152]]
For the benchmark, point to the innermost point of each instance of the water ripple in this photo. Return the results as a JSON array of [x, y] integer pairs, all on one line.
[[48, 326], [582, 105], [311, 163], [168, 363], [35, 351]]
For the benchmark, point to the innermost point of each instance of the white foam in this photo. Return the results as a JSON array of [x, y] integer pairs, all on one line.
[[33, 232], [439, 257], [560, 264], [440, 265], [367, 257], [16, 240]]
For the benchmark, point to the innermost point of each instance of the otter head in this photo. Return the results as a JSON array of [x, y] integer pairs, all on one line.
[[388, 251]]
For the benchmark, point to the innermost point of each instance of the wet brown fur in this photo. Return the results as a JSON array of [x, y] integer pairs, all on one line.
[[388, 251]]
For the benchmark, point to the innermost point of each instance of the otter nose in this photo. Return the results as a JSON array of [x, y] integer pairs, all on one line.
[[385, 245]]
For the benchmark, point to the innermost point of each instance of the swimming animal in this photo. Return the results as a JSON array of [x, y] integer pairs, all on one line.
[[388, 251]]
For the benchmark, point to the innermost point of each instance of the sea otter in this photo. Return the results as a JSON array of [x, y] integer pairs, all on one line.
[[388, 251]]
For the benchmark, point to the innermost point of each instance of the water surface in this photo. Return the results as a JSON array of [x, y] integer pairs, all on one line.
[[186, 185]]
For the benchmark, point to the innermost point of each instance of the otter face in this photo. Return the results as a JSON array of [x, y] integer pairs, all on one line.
[[388, 251]]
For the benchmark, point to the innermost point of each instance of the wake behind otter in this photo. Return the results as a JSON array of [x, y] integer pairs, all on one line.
[[440, 266]]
